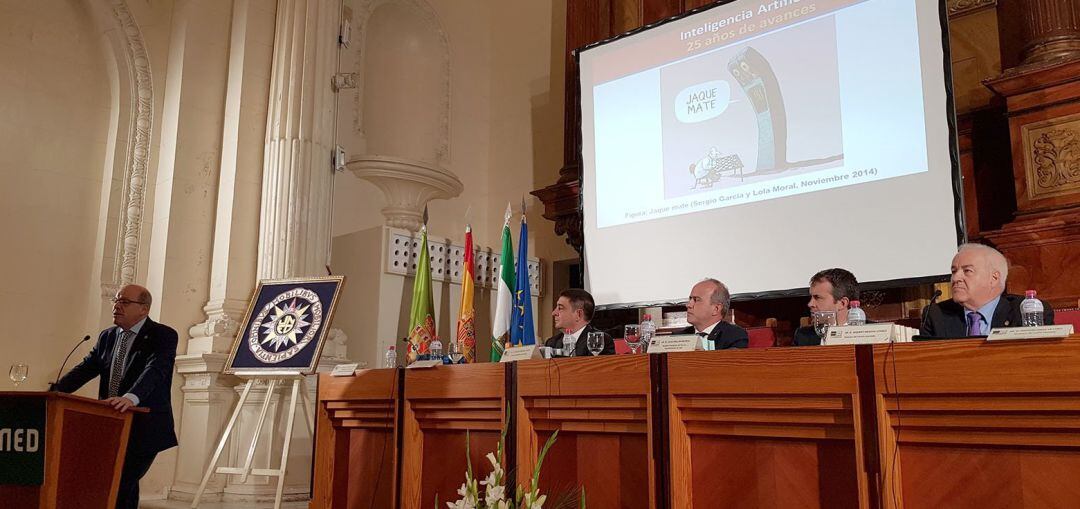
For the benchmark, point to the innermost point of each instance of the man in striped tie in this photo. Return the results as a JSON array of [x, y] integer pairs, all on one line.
[[134, 360]]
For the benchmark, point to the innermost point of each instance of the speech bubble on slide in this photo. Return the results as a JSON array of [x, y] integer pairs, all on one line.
[[703, 101]]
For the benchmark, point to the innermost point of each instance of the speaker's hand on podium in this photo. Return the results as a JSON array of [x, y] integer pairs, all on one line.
[[120, 403]]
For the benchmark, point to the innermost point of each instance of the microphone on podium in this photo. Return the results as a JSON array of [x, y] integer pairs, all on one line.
[[52, 386]]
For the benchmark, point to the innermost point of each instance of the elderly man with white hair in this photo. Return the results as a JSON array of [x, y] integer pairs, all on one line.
[[979, 302]]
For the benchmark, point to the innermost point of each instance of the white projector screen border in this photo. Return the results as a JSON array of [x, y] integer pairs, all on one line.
[[738, 292]]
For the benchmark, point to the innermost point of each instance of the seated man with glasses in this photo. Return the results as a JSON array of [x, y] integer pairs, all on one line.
[[134, 361]]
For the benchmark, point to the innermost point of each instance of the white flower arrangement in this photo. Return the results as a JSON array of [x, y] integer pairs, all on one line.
[[495, 493]]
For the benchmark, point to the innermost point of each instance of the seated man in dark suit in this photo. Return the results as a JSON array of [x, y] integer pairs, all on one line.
[[830, 290], [134, 361], [709, 301], [573, 312], [978, 301]]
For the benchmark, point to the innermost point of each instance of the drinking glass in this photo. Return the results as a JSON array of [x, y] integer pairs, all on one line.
[[455, 353], [595, 342], [18, 373], [822, 321], [632, 335]]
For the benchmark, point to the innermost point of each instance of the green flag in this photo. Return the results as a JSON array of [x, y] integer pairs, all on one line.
[[422, 314], [504, 302]]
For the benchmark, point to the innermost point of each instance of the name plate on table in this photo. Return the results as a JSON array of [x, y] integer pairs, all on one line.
[[1040, 332], [861, 334], [521, 353], [345, 369], [675, 343], [430, 363]]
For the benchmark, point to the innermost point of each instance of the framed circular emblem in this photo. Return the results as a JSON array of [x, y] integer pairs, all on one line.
[[284, 327]]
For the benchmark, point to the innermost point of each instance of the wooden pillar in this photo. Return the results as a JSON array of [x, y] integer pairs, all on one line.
[[1042, 94]]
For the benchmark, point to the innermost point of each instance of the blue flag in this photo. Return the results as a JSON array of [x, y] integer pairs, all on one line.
[[521, 320]]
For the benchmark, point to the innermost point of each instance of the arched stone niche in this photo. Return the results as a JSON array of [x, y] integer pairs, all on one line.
[[403, 101], [402, 109]]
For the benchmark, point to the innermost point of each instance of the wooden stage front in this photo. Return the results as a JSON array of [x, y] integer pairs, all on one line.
[[957, 424]]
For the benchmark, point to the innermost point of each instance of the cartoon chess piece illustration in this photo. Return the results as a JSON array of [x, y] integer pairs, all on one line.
[[756, 76], [714, 165], [759, 82]]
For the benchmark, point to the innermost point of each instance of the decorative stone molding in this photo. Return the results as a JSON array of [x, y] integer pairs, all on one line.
[[1052, 156], [362, 15], [141, 97], [407, 185], [959, 8]]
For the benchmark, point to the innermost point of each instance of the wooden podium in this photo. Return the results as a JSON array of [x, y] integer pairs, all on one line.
[[769, 428], [977, 424], [603, 409], [85, 440]]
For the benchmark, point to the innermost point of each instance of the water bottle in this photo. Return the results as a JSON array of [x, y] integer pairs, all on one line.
[[1031, 310], [435, 349], [647, 330], [568, 344], [391, 358], [855, 315]]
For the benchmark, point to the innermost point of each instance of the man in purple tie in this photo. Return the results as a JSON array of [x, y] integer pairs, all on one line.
[[979, 302]]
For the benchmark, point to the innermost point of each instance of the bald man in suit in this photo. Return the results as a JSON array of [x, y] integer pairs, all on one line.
[[134, 361]]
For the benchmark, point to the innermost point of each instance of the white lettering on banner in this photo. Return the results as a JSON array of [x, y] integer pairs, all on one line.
[[19, 440]]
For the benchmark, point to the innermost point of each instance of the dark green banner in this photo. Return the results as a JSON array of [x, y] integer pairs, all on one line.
[[22, 440]]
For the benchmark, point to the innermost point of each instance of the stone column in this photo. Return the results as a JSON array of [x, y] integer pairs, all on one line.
[[297, 188], [294, 216], [1039, 30], [209, 396]]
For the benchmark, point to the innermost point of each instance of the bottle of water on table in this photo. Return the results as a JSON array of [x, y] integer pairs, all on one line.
[[1031, 310]]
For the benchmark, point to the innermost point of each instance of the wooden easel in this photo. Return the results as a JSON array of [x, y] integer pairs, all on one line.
[[245, 470]]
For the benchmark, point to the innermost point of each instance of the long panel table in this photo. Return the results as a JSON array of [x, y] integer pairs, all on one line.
[[958, 424]]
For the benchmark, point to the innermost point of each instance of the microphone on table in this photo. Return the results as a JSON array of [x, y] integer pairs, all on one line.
[[85, 338], [926, 310]]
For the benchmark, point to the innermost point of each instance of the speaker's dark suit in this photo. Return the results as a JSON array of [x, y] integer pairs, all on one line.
[[581, 348], [725, 335], [949, 320], [148, 375]]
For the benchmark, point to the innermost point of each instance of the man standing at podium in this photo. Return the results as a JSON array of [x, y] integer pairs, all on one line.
[[706, 307], [134, 361]]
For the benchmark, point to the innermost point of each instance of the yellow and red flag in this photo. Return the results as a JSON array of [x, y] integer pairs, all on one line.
[[466, 325]]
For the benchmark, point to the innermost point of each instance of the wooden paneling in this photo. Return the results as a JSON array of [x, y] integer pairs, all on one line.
[[977, 424], [84, 443], [602, 409], [771, 428], [443, 405], [357, 444]]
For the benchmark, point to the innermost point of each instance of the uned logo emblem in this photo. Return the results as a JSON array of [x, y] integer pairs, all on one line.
[[19, 440]]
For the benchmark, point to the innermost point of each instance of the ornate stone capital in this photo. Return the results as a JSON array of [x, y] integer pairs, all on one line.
[[407, 185]]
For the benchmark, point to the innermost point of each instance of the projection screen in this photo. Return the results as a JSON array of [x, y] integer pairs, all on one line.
[[759, 142]]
